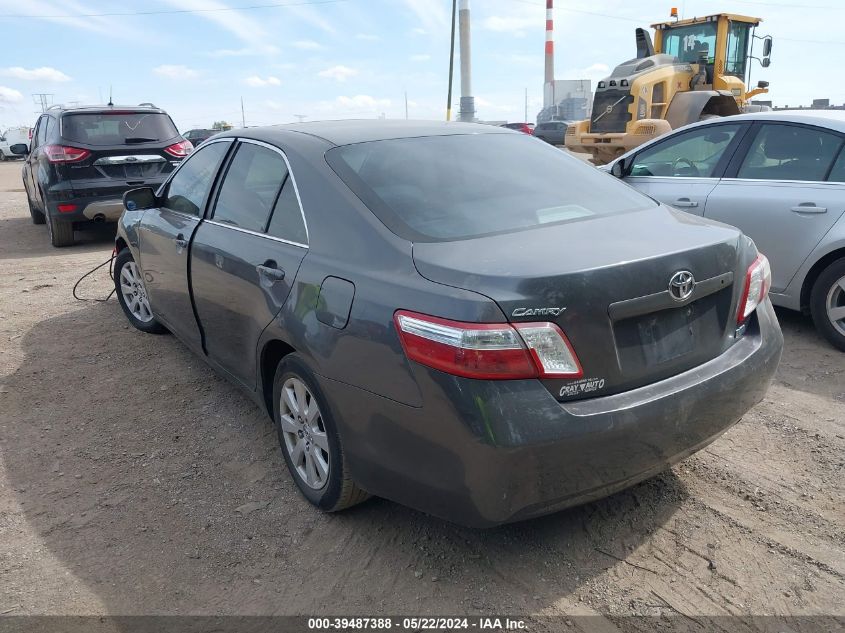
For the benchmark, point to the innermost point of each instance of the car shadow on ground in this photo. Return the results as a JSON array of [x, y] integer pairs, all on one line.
[[32, 240], [159, 486], [809, 363]]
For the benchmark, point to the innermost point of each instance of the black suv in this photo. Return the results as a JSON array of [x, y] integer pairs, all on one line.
[[82, 159], [199, 136]]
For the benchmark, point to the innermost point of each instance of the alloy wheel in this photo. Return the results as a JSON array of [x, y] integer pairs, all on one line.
[[134, 292], [304, 433], [835, 305]]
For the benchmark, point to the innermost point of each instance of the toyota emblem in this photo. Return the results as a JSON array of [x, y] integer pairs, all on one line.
[[681, 285]]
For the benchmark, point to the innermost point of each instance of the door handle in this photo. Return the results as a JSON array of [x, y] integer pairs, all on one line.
[[181, 242], [684, 203], [271, 272], [808, 207]]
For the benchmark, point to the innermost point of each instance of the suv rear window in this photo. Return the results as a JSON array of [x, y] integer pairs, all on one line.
[[441, 188], [118, 128]]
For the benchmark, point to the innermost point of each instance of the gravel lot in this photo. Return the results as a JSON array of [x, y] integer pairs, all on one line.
[[134, 480]]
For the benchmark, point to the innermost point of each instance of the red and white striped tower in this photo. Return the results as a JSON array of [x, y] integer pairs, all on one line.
[[549, 83], [550, 42]]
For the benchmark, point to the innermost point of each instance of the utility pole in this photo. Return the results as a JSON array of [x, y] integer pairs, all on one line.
[[243, 116], [300, 117], [406, 105], [526, 105], [451, 62], [467, 112], [43, 100]]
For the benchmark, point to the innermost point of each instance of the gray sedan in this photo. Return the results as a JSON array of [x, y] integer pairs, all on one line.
[[780, 178], [486, 338]]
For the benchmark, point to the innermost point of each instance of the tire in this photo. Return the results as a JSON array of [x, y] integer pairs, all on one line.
[[2, 156], [61, 233], [36, 215], [828, 294], [336, 491], [129, 282]]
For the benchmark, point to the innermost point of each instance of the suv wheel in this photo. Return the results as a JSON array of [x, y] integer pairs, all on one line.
[[61, 233], [827, 303], [132, 294], [36, 215], [309, 439]]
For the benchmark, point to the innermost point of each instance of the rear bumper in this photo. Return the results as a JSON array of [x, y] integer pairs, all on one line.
[[483, 453], [90, 204]]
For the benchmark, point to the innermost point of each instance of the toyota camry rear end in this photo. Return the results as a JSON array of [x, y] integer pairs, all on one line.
[[562, 336]]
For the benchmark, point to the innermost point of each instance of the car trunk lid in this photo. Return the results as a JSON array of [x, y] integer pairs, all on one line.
[[605, 282]]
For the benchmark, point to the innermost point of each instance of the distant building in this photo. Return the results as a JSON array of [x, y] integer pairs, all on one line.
[[566, 100], [817, 104]]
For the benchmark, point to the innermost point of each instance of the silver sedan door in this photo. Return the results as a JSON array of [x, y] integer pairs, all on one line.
[[684, 168], [777, 193]]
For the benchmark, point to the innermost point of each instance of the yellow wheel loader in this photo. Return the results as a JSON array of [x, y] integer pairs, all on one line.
[[695, 69]]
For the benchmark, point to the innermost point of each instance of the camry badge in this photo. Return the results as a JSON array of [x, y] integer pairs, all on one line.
[[521, 312], [681, 285]]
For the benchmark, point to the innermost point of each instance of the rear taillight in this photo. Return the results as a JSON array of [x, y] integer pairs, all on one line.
[[180, 149], [66, 208], [491, 351], [758, 280], [65, 154]]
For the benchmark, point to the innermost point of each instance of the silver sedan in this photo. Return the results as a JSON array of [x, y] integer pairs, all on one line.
[[780, 178]]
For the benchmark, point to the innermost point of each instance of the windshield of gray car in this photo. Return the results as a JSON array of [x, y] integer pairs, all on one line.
[[440, 188]]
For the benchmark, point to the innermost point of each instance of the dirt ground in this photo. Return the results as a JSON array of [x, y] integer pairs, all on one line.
[[125, 462]]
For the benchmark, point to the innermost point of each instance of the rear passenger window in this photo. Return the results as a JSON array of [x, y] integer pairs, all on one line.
[[287, 222], [837, 174], [250, 187], [790, 152]]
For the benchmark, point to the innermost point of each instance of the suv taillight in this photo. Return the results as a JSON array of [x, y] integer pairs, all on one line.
[[65, 154], [491, 351], [758, 280], [180, 149]]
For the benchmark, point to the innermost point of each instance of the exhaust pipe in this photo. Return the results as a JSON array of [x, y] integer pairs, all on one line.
[[99, 218]]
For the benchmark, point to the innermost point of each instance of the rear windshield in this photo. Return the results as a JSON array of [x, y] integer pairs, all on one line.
[[117, 128], [441, 188]]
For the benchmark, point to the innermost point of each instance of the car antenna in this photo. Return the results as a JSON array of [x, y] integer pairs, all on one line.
[[110, 103]]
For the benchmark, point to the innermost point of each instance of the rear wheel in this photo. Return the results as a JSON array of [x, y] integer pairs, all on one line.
[[132, 294], [309, 439], [61, 233], [827, 303], [36, 215]]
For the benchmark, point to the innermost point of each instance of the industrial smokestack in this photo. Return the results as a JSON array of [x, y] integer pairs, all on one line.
[[550, 42], [467, 112], [549, 82]]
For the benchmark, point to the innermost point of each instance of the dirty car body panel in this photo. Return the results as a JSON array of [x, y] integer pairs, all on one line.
[[387, 234]]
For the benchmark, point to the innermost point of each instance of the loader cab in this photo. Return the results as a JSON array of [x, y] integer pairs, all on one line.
[[720, 42]]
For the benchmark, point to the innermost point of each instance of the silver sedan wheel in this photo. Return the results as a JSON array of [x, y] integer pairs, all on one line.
[[304, 433], [134, 293], [835, 306]]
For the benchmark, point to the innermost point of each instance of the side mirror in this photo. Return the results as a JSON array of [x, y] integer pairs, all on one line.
[[618, 169], [139, 199], [765, 62], [762, 84], [767, 46], [19, 149]]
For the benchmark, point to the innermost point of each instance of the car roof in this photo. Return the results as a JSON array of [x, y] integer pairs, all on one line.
[[833, 119], [351, 131], [61, 109]]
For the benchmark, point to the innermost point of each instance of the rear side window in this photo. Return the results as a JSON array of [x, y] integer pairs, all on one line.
[[41, 132], [454, 187], [790, 152], [118, 128], [837, 174], [250, 187], [287, 222], [189, 187], [693, 154]]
